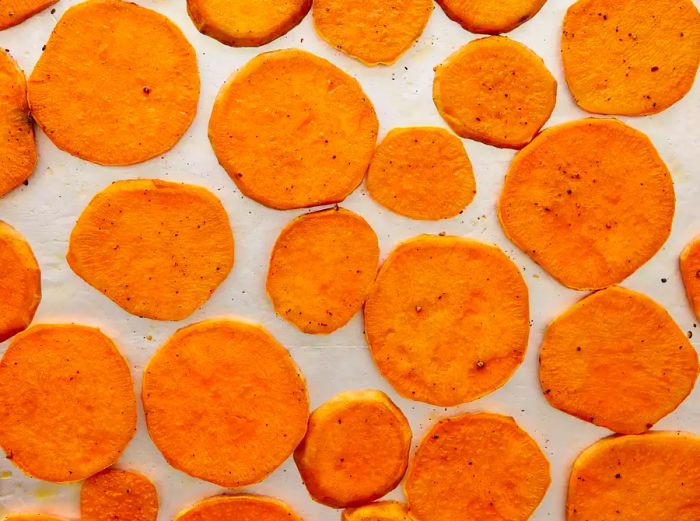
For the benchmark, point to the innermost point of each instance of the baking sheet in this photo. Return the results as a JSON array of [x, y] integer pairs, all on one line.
[[45, 210]]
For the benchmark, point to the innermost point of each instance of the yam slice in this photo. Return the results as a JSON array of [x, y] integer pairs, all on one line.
[[238, 391], [239, 508], [13, 12], [448, 319], [690, 271], [292, 130], [157, 249], [67, 403], [646, 54], [355, 450], [380, 511], [490, 16], [422, 173], [617, 359], [115, 494], [117, 84], [590, 201]]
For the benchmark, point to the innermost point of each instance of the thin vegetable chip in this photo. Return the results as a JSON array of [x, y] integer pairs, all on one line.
[[239, 508], [690, 271], [490, 16], [13, 12], [115, 494], [380, 511]]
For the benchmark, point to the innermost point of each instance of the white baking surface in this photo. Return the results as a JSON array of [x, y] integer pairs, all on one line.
[[45, 210]]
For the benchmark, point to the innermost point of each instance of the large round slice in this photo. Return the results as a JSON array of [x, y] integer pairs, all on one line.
[[448, 319], [590, 201], [617, 359], [157, 249], [690, 271], [117, 84], [67, 404], [13, 12], [225, 402], [476, 467], [637, 478], [241, 507], [380, 511], [116, 495], [292, 130], [628, 57], [490, 16]]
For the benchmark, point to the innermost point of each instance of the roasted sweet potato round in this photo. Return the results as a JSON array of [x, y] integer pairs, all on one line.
[[379, 511], [243, 508], [690, 271], [115, 494], [490, 16], [13, 12]]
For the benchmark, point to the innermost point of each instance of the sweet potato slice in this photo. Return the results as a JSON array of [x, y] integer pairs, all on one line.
[[476, 467], [646, 54], [373, 32], [690, 271], [309, 130], [594, 190], [238, 391], [495, 90], [157, 249], [380, 511], [20, 282], [637, 478], [115, 494], [448, 319], [240, 507], [490, 16], [13, 12], [355, 450], [117, 84], [617, 359], [246, 23], [67, 404], [421, 172], [322, 269]]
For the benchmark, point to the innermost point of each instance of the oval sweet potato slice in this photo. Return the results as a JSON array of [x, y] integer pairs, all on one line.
[[448, 319], [594, 190], [379, 511], [67, 403], [115, 494], [646, 54], [422, 173], [240, 507], [20, 282], [476, 467], [495, 90], [355, 450], [117, 84], [157, 249], [322, 269], [637, 478], [309, 130], [13, 12], [490, 16], [617, 359], [238, 391], [690, 271]]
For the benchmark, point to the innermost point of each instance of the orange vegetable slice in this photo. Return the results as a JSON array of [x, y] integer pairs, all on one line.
[[448, 319], [116, 494], [242, 23], [617, 359], [422, 173], [373, 32], [355, 450], [238, 391], [117, 84], [690, 271], [322, 299], [20, 282], [67, 403], [495, 90], [157, 249], [646, 54], [594, 190], [309, 130], [490, 16], [13, 12], [476, 467], [17, 146], [380, 511], [239, 507], [637, 478]]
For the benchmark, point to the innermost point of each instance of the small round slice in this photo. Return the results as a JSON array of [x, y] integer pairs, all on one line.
[[115, 494], [448, 319], [225, 402], [617, 359], [240, 507], [117, 84], [490, 16], [67, 404], [380, 511], [646, 54], [495, 90], [637, 478], [20, 282], [355, 450], [373, 32], [17, 146], [157, 249], [13, 12], [590, 201], [477, 467], [690, 271], [421, 172], [293, 130], [322, 268]]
